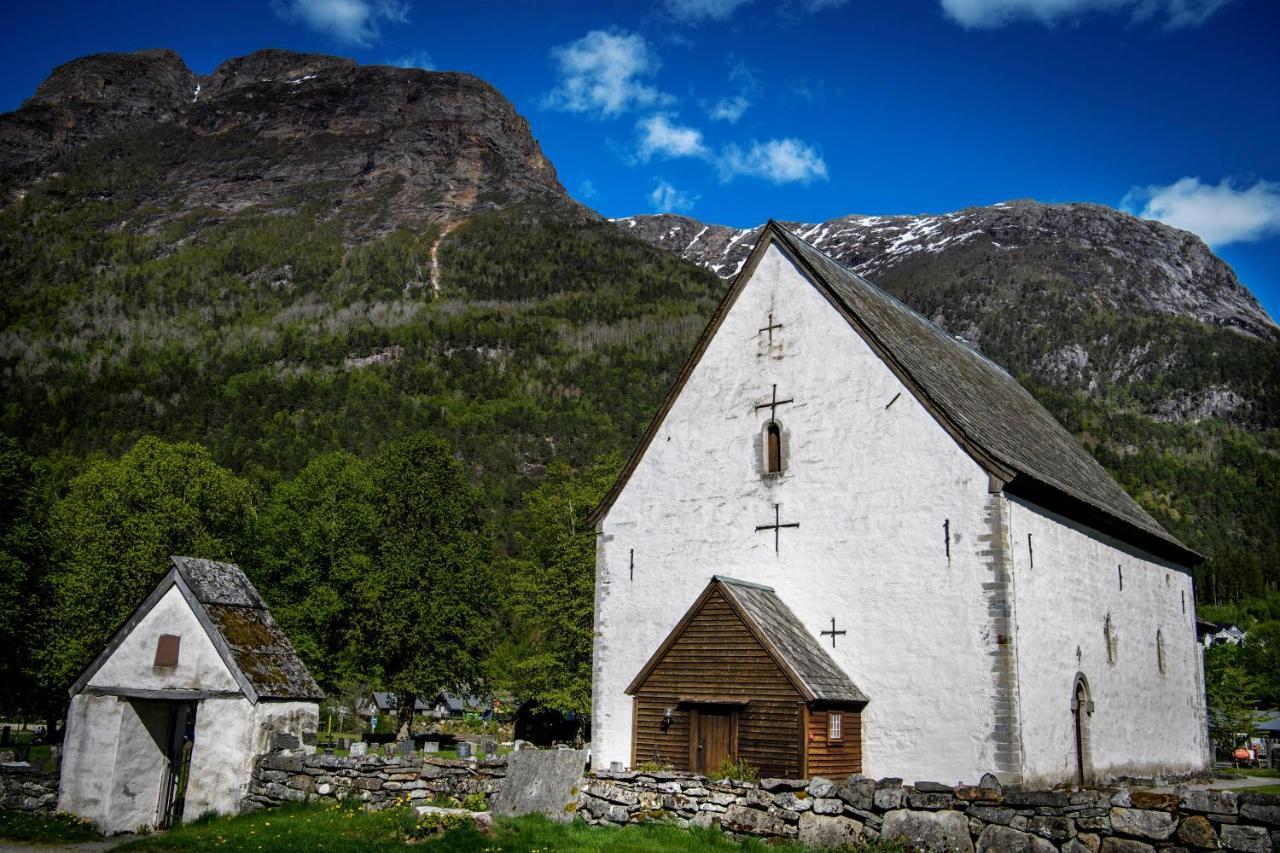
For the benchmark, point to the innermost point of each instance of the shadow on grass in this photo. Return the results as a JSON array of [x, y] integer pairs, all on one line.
[[45, 829]]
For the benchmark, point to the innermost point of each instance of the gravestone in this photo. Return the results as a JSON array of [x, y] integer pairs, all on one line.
[[464, 749], [541, 781], [358, 749], [405, 748], [487, 748], [431, 746]]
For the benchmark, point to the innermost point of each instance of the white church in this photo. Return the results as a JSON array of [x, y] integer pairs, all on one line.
[[850, 543]]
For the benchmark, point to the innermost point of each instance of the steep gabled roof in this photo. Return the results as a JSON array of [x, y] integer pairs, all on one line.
[[255, 650], [791, 646], [980, 405]]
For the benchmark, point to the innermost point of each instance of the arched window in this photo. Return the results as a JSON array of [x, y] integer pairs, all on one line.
[[773, 436]]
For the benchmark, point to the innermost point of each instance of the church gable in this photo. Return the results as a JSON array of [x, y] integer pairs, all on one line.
[[167, 649]]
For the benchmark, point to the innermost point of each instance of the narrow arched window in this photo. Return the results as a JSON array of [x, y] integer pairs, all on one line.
[[1109, 635], [1160, 650], [774, 436]]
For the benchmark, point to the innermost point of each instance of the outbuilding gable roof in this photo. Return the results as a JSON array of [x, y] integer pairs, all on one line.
[[251, 644], [1025, 450], [784, 637]]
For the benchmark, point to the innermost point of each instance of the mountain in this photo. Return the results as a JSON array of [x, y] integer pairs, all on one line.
[[1077, 296], [283, 130], [297, 254]]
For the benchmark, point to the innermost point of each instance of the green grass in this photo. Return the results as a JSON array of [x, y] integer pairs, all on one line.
[[332, 827], [45, 829], [1260, 789]]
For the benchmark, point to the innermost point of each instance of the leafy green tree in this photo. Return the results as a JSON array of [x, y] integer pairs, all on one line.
[[24, 587], [314, 540], [425, 606], [551, 587], [1260, 656], [115, 529], [1231, 694]]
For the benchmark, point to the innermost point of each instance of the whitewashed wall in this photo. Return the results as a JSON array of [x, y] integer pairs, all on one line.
[[871, 487], [200, 667], [1144, 722]]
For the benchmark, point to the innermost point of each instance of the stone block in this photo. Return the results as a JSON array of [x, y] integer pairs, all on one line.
[[1196, 831], [1260, 808], [1089, 840], [612, 792], [1125, 845], [827, 805], [1074, 845], [1056, 829], [1094, 823], [1036, 799], [931, 800], [971, 794], [722, 798], [755, 822], [791, 802], [1246, 839], [1143, 823], [821, 787], [1209, 802], [783, 784], [991, 814], [1002, 839], [929, 832], [758, 798], [367, 783], [302, 782], [859, 792], [932, 787], [705, 820], [827, 832], [887, 799], [1153, 801], [710, 807]]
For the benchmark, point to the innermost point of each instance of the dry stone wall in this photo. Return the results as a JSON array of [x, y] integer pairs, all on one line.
[[28, 789], [821, 812]]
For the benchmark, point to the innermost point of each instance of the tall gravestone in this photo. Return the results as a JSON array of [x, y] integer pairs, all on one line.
[[540, 781]]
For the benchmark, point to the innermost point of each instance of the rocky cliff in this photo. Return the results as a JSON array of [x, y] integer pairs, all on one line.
[[1089, 253], [283, 130]]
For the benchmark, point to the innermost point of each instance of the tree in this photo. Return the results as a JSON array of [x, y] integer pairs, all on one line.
[[24, 587], [1260, 657], [425, 605], [314, 540], [1231, 694], [551, 588], [114, 531]]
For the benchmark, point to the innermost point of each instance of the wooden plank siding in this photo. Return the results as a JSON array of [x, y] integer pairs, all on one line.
[[716, 657], [834, 759]]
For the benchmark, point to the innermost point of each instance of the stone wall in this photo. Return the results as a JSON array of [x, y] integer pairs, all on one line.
[[27, 789], [820, 812], [937, 817], [379, 781]]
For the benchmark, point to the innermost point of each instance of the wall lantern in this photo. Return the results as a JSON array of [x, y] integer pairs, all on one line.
[[668, 717]]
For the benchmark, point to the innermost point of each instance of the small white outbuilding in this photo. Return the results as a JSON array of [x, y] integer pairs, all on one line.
[[171, 716]]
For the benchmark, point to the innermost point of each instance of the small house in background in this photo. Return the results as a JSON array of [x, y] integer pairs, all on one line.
[[171, 716], [452, 706], [380, 704], [1214, 634]]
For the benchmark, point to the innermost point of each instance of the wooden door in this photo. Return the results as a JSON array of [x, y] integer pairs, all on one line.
[[714, 739]]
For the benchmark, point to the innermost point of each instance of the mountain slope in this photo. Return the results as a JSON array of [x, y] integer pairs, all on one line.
[[306, 254]]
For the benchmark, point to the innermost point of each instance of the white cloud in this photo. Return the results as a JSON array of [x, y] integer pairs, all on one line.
[[417, 59], [692, 11], [779, 161], [355, 22], [601, 73], [665, 198], [587, 189], [993, 13], [1221, 214], [660, 136], [730, 109]]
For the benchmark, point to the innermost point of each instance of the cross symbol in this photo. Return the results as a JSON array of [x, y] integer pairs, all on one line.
[[833, 632], [773, 404], [776, 527], [769, 328]]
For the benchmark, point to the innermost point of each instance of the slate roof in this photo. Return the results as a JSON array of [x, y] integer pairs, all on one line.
[[387, 702], [984, 408], [258, 647], [794, 645]]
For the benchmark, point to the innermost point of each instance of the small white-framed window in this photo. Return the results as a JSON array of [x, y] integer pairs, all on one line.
[[835, 726]]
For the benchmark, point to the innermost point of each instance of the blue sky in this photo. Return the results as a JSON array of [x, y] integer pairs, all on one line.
[[734, 111]]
